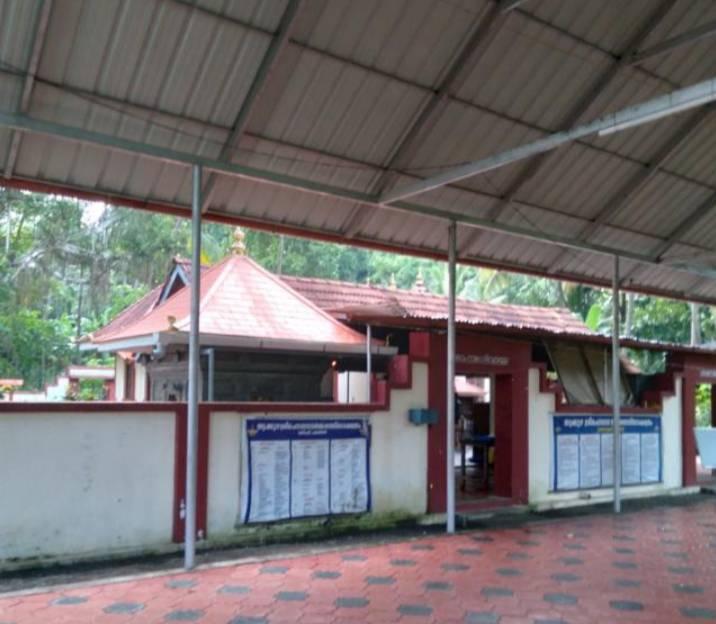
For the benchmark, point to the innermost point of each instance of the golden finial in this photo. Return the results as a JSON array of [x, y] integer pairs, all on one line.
[[172, 323], [238, 248]]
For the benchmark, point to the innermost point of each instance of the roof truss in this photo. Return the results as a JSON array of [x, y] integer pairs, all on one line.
[[278, 43], [38, 42]]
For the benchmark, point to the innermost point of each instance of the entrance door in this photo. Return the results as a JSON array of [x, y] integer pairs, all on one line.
[[507, 365]]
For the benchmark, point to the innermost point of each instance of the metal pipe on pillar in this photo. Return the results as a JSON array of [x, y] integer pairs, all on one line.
[[450, 424], [210, 370], [616, 390], [193, 398], [369, 360]]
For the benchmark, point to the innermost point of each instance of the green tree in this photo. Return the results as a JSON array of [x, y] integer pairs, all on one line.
[[68, 267]]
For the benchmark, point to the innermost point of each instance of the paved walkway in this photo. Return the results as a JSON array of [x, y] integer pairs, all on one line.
[[656, 566]]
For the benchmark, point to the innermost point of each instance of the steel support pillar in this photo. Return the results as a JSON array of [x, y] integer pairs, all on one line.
[[450, 446], [616, 390], [193, 398]]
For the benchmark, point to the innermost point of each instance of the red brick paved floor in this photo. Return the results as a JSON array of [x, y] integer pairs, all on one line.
[[656, 566]]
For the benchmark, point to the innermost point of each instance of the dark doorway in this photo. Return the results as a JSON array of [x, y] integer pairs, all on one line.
[[483, 438]]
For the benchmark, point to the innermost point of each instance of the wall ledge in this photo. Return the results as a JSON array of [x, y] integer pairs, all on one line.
[[606, 497]]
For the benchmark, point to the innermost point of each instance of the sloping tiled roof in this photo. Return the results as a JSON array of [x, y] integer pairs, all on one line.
[[239, 298], [361, 300], [140, 308]]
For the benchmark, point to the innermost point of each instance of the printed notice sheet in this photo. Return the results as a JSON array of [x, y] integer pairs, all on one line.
[[568, 462], [309, 477], [607, 459], [349, 493], [299, 467], [650, 456], [590, 464], [583, 446], [631, 459], [270, 464]]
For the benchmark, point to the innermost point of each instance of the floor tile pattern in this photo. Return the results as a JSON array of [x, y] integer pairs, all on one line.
[[598, 568]]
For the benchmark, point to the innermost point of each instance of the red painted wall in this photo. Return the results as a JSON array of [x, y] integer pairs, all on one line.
[[510, 361], [503, 435], [695, 369], [688, 421], [202, 494]]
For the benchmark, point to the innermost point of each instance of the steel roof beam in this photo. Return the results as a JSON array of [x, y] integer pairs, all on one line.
[[687, 38], [505, 8], [71, 133], [688, 224], [278, 43], [509, 5], [625, 195], [476, 43], [103, 99], [657, 253], [651, 110], [582, 105], [113, 102], [38, 43]]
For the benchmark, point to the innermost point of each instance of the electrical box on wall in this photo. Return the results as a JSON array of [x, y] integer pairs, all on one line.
[[423, 416]]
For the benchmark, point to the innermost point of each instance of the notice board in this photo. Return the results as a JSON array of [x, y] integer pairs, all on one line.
[[295, 468], [583, 450]]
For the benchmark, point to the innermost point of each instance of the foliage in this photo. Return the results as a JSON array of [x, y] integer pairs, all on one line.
[[68, 267], [33, 348], [91, 390], [703, 405]]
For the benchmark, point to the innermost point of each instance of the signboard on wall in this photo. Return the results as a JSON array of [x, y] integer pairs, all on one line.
[[583, 450], [294, 468]]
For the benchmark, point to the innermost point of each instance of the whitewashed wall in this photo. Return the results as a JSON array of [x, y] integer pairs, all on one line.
[[58, 390], [83, 483], [398, 457], [541, 408], [671, 438], [352, 387]]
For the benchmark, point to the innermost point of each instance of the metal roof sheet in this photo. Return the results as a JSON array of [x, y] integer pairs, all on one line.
[[364, 96]]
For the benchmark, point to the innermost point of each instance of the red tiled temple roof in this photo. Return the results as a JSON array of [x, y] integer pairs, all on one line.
[[239, 298], [130, 315], [361, 300], [143, 306]]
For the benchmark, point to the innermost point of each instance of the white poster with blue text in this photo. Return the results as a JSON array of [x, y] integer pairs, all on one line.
[[296, 468], [583, 451]]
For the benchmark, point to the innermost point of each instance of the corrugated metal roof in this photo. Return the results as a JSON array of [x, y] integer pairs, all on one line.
[[363, 87]]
